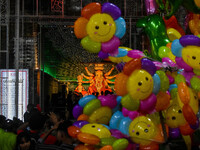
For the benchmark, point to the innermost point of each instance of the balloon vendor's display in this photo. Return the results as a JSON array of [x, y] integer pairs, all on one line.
[[142, 87], [100, 27], [166, 85], [181, 115], [187, 52]]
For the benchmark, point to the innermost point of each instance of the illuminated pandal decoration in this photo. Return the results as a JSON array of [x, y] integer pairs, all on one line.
[[99, 82]]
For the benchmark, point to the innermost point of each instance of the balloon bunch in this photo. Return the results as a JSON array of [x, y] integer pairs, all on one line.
[[181, 114], [187, 53], [100, 28], [94, 110], [142, 130], [139, 83], [93, 116]]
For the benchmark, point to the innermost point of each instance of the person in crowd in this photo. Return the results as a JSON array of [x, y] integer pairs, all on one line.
[[7, 139], [27, 114], [24, 142]]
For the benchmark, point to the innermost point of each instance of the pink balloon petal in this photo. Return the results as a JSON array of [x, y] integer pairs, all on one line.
[[135, 54], [110, 46]]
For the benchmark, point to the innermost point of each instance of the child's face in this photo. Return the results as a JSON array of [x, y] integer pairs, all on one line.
[[24, 145]]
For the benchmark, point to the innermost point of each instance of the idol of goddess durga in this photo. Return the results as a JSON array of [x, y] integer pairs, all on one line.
[[99, 81]]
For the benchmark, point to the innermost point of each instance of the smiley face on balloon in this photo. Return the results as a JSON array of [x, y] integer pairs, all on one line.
[[142, 130], [174, 116], [143, 84], [187, 52], [100, 27], [191, 56]]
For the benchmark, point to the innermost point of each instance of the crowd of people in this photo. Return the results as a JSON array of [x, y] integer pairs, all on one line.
[[39, 130]]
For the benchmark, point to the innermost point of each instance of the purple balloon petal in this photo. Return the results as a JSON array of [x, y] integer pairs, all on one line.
[[120, 66], [169, 61], [116, 133], [149, 66], [103, 55], [147, 105], [135, 54], [158, 65], [77, 111], [114, 53], [80, 123], [112, 10], [108, 100], [110, 46], [180, 62], [174, 133], [190, 40]]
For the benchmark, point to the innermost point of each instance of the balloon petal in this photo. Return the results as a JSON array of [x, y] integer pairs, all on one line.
[[121, 52], [132, 65], [135, 54], [112, 10], [90, 46], [80, 27], [103, 55], [173, 34], [176, 48], [111, 45], [189, 40], [115, 120], [124, 125], [148, 65], [90, 10], [156, 83], [181, 63], [120, 84], [120, 27]]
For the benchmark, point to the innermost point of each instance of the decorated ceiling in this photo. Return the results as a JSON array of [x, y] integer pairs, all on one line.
[[64, 58]]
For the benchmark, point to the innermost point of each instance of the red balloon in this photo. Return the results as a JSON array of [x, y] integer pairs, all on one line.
[[120, 84], [84, 147], [90, 10], [184, 93], [107, 147], [189, 114], [186, 129], [132, 65], [73, 131], [163, 101], [88, 138]]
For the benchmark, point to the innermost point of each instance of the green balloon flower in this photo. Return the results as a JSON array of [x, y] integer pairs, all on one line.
[[154, 27]]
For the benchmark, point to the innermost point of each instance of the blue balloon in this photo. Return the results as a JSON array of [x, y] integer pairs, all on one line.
[[120, 27], [83, 101], [176, 48], [172, 86], [124, 125], [106, 126], [156, 83], [119, 99], [121, 52], [115, 120]]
